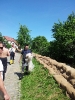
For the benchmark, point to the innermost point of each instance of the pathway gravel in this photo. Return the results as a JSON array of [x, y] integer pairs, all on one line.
[[12, 82]]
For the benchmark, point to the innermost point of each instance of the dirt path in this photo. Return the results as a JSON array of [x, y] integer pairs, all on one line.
[[12, 82]]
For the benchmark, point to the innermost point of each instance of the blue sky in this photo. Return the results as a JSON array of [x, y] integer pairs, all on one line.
[[38, 15]]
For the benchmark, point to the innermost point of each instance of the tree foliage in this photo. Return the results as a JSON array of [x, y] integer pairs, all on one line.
[[23, 36], [1, 37], [40, 45], [4, 41], [64, 34]]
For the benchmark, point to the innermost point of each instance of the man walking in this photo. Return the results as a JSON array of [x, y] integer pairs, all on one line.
[[3, 58], [2, 88], [23, 57], [12, 54]]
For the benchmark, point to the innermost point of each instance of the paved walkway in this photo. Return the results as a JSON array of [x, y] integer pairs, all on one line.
[[12, 82]]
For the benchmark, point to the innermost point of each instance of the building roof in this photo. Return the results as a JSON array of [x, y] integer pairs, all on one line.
[[10, 39]]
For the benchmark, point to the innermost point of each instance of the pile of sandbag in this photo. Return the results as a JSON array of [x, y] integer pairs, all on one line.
[[63, 74]]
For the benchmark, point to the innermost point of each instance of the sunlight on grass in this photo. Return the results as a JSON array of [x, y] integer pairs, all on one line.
[[40, 85]]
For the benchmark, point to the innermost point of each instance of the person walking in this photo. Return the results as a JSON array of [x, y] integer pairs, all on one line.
[[2, 87], [12, 54], [3, 57], [25, 51]]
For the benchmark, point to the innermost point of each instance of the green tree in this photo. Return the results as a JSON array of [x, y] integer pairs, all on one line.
[[40, 45], [23, 36], [4, 41], [7, 44], [64, 34], [1, 37]]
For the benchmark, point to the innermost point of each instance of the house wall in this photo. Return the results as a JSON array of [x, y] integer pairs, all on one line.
[[12, 43]]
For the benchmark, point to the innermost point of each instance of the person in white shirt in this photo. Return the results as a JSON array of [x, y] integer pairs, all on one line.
[[12, 53]]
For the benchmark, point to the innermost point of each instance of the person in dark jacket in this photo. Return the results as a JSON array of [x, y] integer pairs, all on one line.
[[23, 57]]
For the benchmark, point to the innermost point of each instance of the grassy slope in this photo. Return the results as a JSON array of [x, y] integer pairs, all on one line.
[[40, 85]]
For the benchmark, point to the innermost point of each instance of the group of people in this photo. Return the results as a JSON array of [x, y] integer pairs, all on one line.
[[26, 58]]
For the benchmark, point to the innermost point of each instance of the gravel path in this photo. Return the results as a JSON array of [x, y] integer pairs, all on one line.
[[12, 82]]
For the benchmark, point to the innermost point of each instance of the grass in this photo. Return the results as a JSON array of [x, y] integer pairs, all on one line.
[[40, 85]]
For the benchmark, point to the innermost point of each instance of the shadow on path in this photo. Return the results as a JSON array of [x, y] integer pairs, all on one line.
[[21, 75]]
